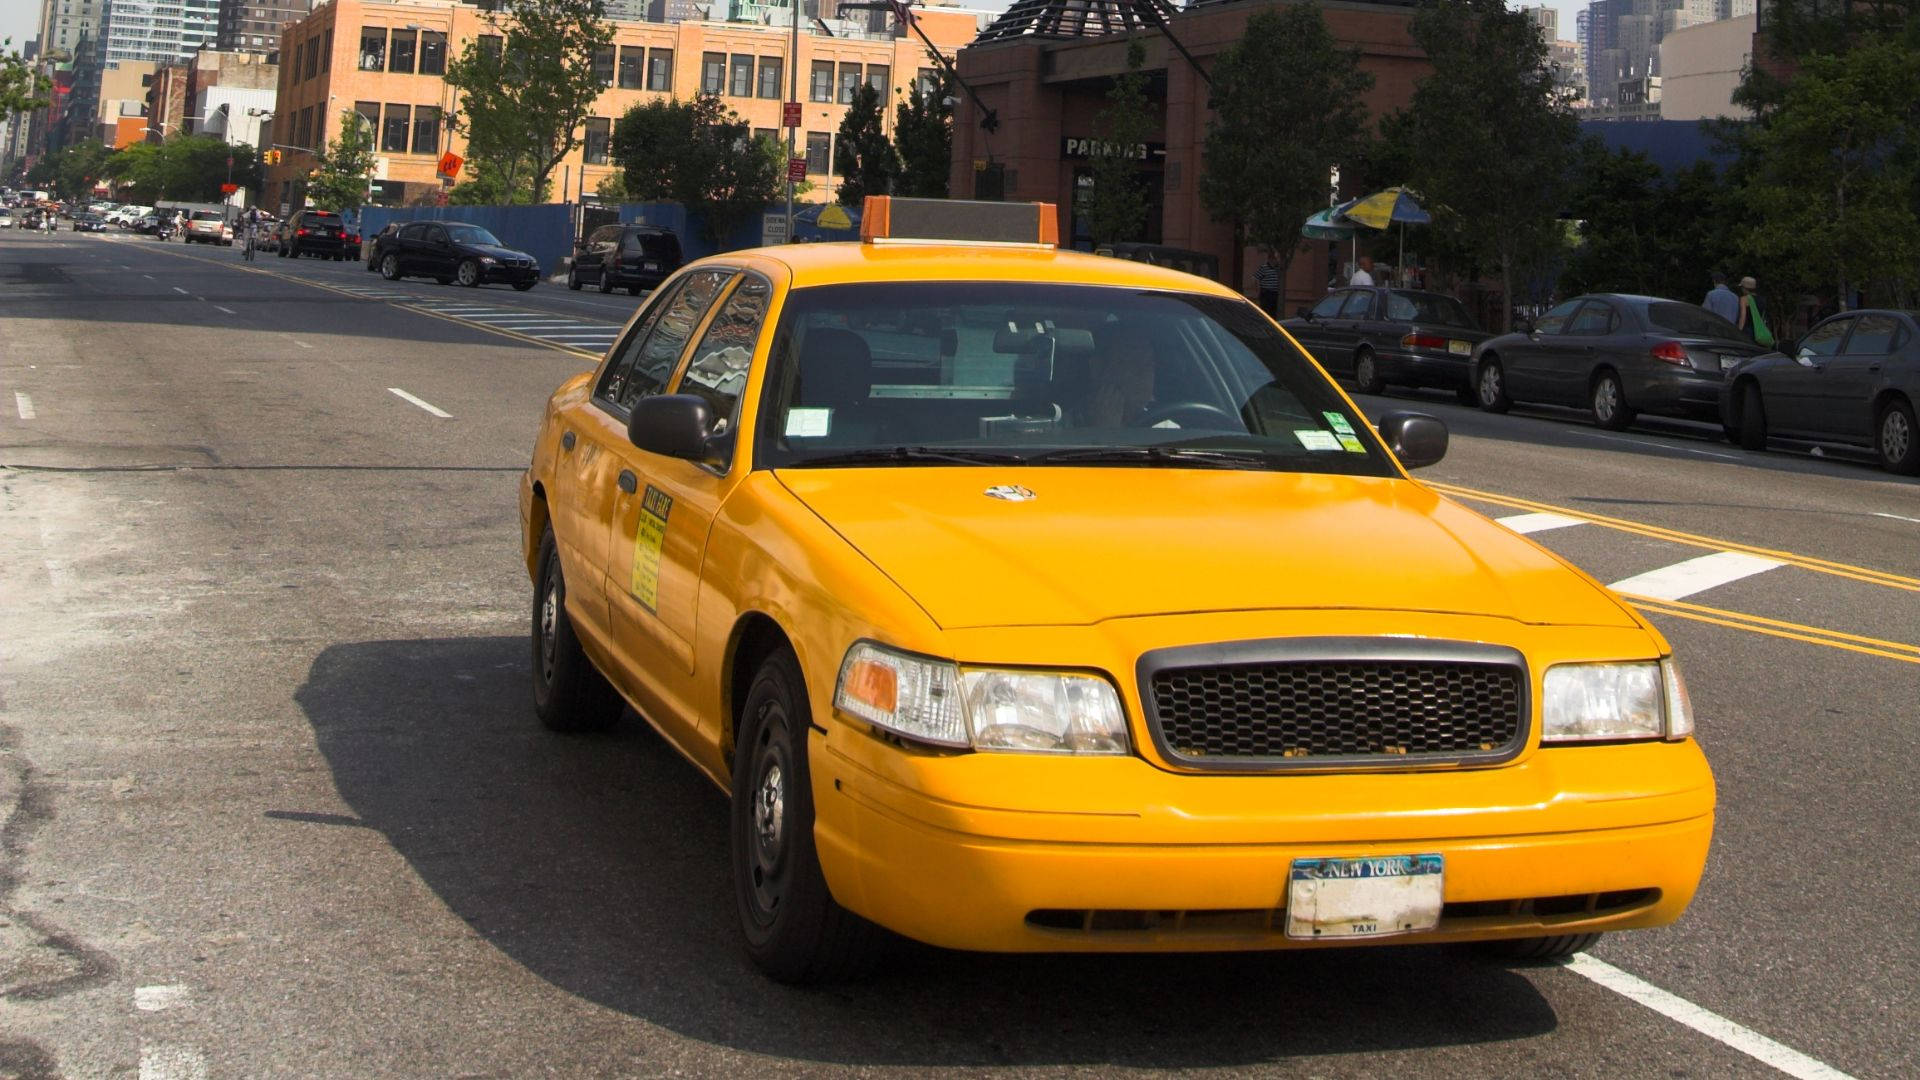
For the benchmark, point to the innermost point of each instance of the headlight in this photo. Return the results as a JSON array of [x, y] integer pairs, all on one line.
[[935, 701], [1596, 702], [486, 260]]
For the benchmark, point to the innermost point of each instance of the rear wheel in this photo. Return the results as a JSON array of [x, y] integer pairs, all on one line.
[[390, 267], [573, 280], [568, 693], [1609, 402], [1490, 387], [1540, 948], [1366, 372], [634, 290], [1752, 432], [606, 281], [794, 930], [1896, 438]]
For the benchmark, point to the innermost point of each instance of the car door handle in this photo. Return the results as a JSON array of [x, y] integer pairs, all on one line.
[[628, 482], [567, 440]]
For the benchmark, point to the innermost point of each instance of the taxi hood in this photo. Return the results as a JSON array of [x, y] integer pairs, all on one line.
[[1106, 543]]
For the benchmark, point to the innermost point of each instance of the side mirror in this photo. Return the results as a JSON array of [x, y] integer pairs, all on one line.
[[1526, 325], [1417, 439], [1304, 313], [672, 425]]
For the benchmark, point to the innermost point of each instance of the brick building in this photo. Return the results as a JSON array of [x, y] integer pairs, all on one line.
[[1045, 66], [385, 59]]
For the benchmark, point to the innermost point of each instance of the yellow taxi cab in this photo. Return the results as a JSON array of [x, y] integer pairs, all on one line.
[[1025, 600]]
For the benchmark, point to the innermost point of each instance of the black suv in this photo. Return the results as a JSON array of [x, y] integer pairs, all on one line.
[[634, 256], [313, 232]]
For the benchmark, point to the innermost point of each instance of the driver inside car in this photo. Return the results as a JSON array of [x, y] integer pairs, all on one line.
[[1122, 382]]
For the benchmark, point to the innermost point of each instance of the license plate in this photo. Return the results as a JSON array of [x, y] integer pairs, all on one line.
[[651, 266], [1360, 898], [1459, 348], [1728, 363]]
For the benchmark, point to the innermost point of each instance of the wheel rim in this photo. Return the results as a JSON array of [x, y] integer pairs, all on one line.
[[766, 843], [467, 273], [1490, 383], [1606, 398], [549, 623], [1363, 369], [1896, 435], [390, 267]]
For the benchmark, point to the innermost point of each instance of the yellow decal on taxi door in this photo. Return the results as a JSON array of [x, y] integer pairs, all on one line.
[[648, 536]]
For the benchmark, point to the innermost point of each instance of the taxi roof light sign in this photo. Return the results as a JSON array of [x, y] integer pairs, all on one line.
[[889, 219]]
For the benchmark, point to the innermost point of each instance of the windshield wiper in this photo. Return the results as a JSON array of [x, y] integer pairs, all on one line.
[[913, 455], [1156, 455]]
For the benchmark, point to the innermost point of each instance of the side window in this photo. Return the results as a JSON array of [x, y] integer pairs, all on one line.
[[613, 384], [1595, 320], [1824, 340], [1872, 335], [413, 232], [659, 351], [1556, 318], [1326, 309], [604, 234], [436, 235], [718, 370], [1359, 305]]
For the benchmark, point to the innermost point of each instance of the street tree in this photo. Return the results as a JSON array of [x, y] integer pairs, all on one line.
[[1267, 165], [1488, 138], [923, 138], [862, 156], [340, 181], [523, 107], [1116, 208], [22, 89], [701, 155], [71, 171]]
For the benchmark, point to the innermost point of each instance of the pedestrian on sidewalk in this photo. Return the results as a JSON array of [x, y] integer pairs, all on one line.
[[1751, 322], [1266, 279], [1722, 301], [1363, 277]]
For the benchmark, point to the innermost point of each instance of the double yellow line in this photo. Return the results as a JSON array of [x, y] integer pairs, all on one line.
[[1737, 620]]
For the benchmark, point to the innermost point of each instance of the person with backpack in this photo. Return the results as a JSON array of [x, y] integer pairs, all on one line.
[[1751, 322]]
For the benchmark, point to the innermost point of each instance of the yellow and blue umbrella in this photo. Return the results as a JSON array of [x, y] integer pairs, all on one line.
[[1383, 208]]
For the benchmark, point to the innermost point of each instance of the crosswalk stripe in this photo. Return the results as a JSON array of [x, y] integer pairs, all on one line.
[[1533, 523], [1683, 579]]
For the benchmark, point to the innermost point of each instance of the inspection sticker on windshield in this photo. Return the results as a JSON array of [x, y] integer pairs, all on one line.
[[1352, 445], [1338, 422], [809, 423], [1316, 440], [1348, 898], [649, 536]]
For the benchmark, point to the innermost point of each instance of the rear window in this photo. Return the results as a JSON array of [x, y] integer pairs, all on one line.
[[1687, 320], [207, 215], [1429, 308], [322, 215], [660, 245]]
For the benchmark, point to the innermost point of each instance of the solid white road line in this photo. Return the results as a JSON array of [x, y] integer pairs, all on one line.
[[156, 998], [161, 1062], [1897, 517], [1533, 523], [229, 311], [434, 409], [1657, 446], [25, 404], [1683, 579], [180, 290], [1711, 1024]]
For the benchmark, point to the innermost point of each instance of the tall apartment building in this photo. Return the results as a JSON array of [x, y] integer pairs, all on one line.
[[64, 22], [381, 63], [159, 30], [1546, 18], [254, 26]]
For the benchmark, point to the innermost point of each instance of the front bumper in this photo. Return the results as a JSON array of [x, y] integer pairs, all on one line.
[[510, 275]]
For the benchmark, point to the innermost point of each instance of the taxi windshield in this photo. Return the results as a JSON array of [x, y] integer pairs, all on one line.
[[1048, 374]]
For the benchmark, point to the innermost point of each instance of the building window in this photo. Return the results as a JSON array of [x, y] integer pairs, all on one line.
[[633, 65], [400, 57], [772, 135], [426, 129], [293, 68], [819, 152], [326, 53], [928, 81], [603, 65], [303, 128], [820, 86], [393, 137], [713, 72], [373, 48], [880, 78], [433, 52], [660, 69], [740, 76], [770, 72], [371, 111], [849, 82], [599, 131], [490, 46], [313, 56]]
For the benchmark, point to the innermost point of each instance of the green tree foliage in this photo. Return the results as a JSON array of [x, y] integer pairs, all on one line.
[[1640, 231], [701, 155], [1486, 138], [1286, 109], [862, 156], [21, 88], [487, 185], [613, 189], [923, 137], [1116, 208], [523, 107], [341, 181], [71, 171], [188, 168]]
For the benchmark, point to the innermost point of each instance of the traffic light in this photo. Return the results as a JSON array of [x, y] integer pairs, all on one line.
[[272, 157]]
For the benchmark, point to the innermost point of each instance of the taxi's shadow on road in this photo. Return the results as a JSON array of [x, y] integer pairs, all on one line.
[[599, 864]]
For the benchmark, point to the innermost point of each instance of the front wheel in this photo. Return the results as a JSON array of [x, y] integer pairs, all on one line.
[[468, 273], [795, 931], [1752, 430], [568, 693], [1366, 373], [573, 280], [390, 267], [1491, 388], [1897, 440], [1609, 403], [1540, 948]]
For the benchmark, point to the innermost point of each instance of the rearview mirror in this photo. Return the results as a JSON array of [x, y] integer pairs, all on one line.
[[672, 425], [1417, 439]]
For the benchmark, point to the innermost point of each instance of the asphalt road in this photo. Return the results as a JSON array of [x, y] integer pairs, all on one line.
[[274, 802]]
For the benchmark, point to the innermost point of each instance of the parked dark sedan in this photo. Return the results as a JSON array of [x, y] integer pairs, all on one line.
[[1617, 356], [1381, 336], [633, 257], [450, 251], [1853, 379], [90, 222]]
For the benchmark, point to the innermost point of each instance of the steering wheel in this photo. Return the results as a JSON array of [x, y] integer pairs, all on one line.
[[1197, 414]]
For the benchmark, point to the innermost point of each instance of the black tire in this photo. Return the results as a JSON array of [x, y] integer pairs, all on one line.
[[634, 290], [1466, 395], [339, 256], [606, 281], [568, 693], [522, 286], [573, 279], [1540, 948], [1752, 432], [468, 273], [443, 279], [1896, 438], [1490, 387], [390, 267], [1608, 402], [1366, 372], [794, 930]]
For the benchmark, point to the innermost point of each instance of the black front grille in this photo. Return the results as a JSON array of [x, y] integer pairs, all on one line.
[[1319, 710]]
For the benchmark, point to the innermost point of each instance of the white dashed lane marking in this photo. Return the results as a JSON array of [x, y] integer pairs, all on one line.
[[159, 1061], [157, 998], [1683, 579], [434, 409], [180, 290], [1897, 517], [24, 404], [1708, 1023], [1533, 523]]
